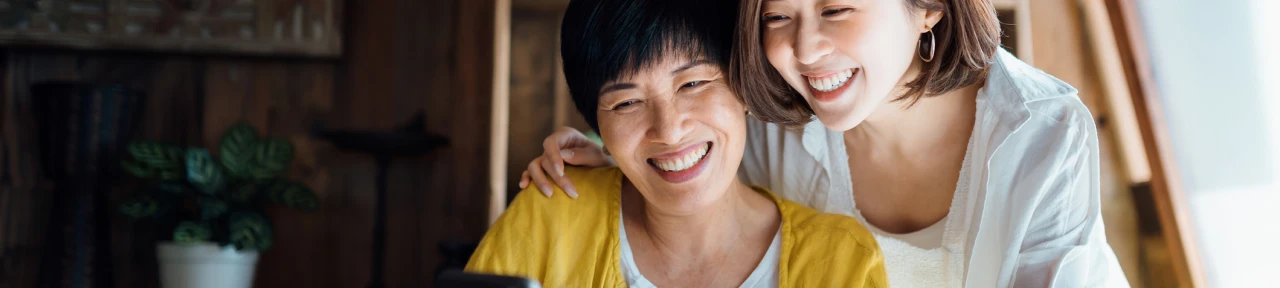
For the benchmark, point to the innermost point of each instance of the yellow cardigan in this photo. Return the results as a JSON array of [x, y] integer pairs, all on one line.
[[574, 243]]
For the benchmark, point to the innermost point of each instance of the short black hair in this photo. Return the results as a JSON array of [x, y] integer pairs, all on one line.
[[601, 40]]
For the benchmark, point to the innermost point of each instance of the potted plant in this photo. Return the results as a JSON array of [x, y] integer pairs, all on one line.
[[209, 210]]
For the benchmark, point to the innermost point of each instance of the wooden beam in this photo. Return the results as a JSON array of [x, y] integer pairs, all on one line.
[[1166, 188], [546, 6], [1120, 111], [501, 109], [1023, 15]]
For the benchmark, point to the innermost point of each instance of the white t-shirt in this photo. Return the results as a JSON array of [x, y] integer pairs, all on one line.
[[1026, 210], [764, 276]]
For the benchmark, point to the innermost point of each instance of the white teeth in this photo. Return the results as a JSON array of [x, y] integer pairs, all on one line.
[[684, 162], [830, 82]]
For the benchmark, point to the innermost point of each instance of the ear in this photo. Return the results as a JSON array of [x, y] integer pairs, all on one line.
[[931, 17]]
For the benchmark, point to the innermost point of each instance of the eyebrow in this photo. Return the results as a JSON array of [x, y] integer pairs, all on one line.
[[625, 86], [616, 87], [691, 64]]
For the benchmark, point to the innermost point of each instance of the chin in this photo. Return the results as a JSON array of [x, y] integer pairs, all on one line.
[[840, 116], [840, 121], [845, 115]]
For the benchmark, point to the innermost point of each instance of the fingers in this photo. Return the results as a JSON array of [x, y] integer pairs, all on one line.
[[539, 176], [551, 151], [592, 156], [569, 133], [558, 149], [562, 181]]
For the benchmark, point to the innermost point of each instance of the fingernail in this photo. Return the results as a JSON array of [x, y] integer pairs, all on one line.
[[524, 184], [545, 190], [566, 153], [573, 193], [560, 170]]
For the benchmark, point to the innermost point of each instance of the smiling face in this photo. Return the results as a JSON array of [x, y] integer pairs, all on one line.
[[845, 57], [676, 130]]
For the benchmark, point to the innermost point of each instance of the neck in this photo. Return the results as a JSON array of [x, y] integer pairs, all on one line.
[[740, 214], [898, 129]]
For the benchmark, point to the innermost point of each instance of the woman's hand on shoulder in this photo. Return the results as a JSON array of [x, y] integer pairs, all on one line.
[[565, 146]]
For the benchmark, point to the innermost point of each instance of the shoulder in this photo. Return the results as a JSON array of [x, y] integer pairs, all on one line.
[[1015, 85], [598, 189], [1049, 119], [534, 228], [809, 226], [829, 250], [1020, 82]]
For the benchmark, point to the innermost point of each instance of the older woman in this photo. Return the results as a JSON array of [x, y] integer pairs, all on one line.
[[648, 76]]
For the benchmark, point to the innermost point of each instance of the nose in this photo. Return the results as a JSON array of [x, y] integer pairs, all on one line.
[[810, 45], [670, 123]]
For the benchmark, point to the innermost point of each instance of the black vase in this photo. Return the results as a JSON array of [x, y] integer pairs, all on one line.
[[83, 129]]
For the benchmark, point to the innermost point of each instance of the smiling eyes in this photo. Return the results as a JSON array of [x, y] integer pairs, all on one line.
[[624, 104], [693, 84], [770, 18], [686, 85], [836, 11], [773, 18]]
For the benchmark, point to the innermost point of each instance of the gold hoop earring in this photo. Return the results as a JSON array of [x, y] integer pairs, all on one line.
[[932, 46]]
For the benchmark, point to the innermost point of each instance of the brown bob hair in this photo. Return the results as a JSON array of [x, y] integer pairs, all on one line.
[[967, 38]]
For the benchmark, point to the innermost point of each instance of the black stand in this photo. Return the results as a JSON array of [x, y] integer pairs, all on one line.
[[410, 140]]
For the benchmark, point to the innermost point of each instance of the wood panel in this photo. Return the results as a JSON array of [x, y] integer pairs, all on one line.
[[533, 87], [261, 27], [1120, 111], [540, 100], [441, 64], [404, 57], [281, 99], [1166, 189], [170, 86]]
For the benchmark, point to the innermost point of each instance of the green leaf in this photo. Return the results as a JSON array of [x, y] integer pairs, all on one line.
[[140, 206], [212, 208], [189, 232], [137, 169], [156, 155], [272, 157], [238, 148], [249, 230], [293, 195], [203, 172], [143, 171]]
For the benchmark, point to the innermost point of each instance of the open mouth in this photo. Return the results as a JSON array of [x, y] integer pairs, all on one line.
[[830, 82], [683, 165]]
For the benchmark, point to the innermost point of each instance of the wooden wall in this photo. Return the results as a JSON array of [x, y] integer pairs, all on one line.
[[402, 57], [540, 98]]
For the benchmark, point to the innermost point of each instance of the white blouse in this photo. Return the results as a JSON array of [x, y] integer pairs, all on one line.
[[764, 276], [1027, 210]]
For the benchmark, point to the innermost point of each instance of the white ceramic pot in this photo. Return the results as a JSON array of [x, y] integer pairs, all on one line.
[[205, 265]]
